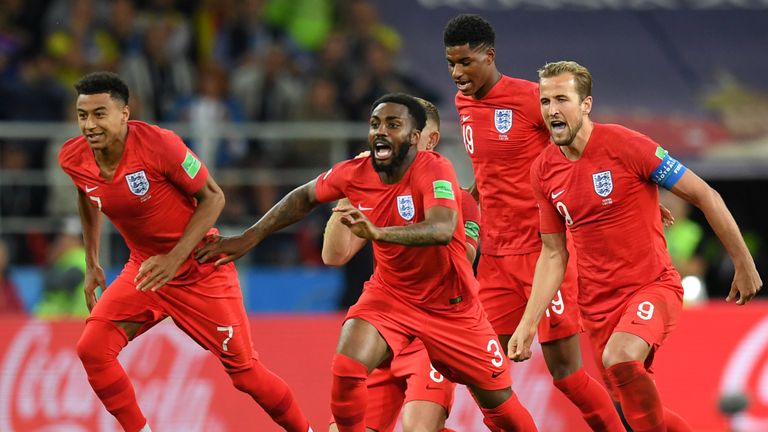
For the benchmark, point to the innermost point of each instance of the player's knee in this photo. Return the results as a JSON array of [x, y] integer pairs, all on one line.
[[347, 367], [99, 343], [613, 355], [251, 379], [348, 374]]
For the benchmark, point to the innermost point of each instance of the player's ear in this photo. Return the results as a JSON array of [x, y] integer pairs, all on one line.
[[490, 54], [434, 138], [415, 136], [586, 105], [126, 114]]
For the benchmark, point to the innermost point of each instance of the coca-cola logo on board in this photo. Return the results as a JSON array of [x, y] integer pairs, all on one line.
[[44, 386], [746, 374]]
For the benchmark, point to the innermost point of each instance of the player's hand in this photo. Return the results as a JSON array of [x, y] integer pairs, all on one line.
[[667, 219], [156, 271], [357, 222], [519, 346], [364, 154], [227, 249], [94, 278], [746, 283]]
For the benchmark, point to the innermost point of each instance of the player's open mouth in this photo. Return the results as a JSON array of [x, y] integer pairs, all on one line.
[[557, 125], [92, 138], [463, 86], [382, 150]]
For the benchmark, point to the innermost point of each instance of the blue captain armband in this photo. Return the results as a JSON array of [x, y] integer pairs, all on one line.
[[668, 172]]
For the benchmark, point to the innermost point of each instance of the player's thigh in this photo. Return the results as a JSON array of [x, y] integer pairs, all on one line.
[[464, 348], [133, 311], [502, 292], [219, 324], [422, 415], [385, 400], [424, 382]]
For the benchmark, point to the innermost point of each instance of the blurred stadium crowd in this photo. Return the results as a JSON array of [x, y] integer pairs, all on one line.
[[210, 62]]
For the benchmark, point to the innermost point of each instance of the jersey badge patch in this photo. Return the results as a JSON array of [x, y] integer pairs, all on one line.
[[443, 189], [405, 207], [603, 183], [503, 120], [138, 183], [191, 165]]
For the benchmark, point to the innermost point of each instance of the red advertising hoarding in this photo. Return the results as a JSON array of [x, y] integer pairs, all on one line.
[[716, 349]]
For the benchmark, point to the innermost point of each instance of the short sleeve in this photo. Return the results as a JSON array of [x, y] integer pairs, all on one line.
[[471, 213], [180, 165], [330, 185], [550, 221], [651, 162], [436, 182]]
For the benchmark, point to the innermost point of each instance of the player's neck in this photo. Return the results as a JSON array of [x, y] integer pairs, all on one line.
[[486, 88], [109, 157], [575, 150]]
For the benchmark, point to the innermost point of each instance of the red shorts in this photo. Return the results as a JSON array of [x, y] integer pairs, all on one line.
[[409, 377], [651, 314], [460, 341], [209, 310], [505, 286]]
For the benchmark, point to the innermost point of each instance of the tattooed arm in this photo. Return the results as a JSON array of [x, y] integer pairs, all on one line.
[[436, 229], [291, 209]]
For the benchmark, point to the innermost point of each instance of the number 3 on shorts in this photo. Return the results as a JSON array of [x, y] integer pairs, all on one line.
[[230, 331], [645, 310], [493, 347]]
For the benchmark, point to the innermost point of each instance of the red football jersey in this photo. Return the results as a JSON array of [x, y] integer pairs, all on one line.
[[503, 134], [430, 276], [609, 201], [150, 199], [471, 216]]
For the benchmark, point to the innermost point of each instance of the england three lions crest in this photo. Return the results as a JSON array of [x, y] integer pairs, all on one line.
[[405, 207], [138, 183], [503, 120], [603, 183]]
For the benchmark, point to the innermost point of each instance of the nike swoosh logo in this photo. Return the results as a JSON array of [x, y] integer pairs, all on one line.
[[555, 195], [361, 208], [465, 118], [90, 189], [495, 374]]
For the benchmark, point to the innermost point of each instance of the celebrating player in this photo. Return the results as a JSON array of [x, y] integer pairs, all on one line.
[[162, 200], [409, 381], [503, 134], [422, 287], [600, 182]]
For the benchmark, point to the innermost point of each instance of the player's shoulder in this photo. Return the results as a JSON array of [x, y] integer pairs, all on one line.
[[519, 84], [613, 131], [431, 158], [149, 134], [548, 157], [71, 152]]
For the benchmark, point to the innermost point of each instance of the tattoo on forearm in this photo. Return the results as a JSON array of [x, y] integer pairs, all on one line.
[[420, 234], [289, 210]]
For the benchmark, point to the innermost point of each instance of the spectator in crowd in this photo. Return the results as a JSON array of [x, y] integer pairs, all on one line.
[[80, 43], [157, 76], [63, 287], [10, 303], [208, 113]]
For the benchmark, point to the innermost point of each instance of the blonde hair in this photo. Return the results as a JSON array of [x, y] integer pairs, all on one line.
[[581, 75], [431, 109]]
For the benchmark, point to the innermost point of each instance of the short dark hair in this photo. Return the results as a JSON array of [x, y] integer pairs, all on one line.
[[103, 82], [469, 29], [415, 108]]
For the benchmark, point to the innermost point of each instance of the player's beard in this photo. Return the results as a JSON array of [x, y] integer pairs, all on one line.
[[390, 168], [572, 136]]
